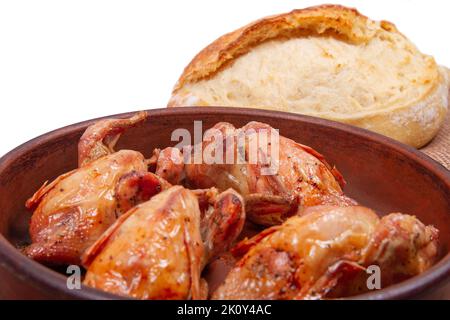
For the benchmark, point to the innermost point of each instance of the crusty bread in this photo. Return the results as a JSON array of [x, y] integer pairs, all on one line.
[[327, 61]]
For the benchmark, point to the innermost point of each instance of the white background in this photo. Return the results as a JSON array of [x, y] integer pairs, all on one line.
[[66, 61]]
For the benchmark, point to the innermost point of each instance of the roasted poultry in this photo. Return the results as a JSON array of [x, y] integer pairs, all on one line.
[[325, 253], [136, 241], [303, 177], [73, 211], [158, 249]]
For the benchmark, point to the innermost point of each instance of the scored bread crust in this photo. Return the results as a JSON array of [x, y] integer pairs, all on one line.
[[413, 123], [335, 20]]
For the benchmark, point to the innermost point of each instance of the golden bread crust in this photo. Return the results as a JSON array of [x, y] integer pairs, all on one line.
[[342, 22], [410, 111]]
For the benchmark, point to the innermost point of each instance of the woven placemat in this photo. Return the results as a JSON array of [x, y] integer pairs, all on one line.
[[439, 148]]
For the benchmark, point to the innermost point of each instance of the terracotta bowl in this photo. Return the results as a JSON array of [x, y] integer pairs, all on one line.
[[381, 173]]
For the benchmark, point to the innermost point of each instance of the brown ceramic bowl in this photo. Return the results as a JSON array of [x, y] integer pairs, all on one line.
[[381, 173]]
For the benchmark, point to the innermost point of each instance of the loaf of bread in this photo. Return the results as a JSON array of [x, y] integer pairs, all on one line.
[[327, 61]]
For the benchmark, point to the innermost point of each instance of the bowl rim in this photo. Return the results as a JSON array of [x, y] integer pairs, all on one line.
[[45, 278]]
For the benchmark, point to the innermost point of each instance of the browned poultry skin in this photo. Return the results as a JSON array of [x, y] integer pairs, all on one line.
[[170, 164], [158, 249], [304, 178], [222, 220], [76, 208], [99, 139], [325, 252]]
